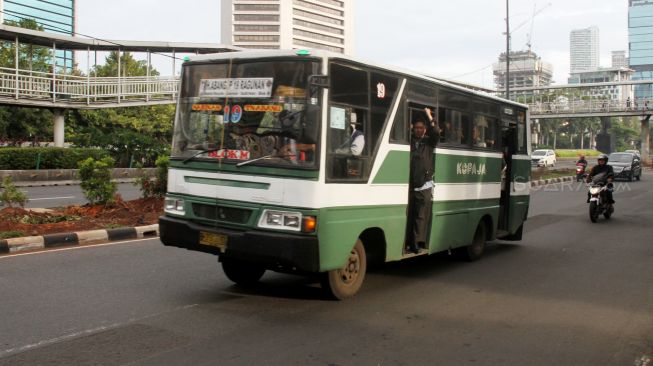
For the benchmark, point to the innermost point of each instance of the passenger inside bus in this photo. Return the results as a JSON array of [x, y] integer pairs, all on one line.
[[355, 144]]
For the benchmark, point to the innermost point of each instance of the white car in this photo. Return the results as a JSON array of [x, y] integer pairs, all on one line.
[[543, 158]]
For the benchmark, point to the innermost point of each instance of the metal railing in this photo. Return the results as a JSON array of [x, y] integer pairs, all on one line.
[[85, 90], [592, 106]]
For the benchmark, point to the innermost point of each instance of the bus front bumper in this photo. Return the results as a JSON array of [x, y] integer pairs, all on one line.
[[276, 251]]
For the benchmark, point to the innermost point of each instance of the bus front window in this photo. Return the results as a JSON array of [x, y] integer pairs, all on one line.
[[246, 111]]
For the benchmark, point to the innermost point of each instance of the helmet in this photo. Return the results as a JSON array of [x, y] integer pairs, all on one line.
[[603, 157]]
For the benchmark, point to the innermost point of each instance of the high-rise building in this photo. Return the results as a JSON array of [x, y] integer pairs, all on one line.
[[287, 24], [619, 59], [55, 16], [584, 49], [640, 39], [526, 70]]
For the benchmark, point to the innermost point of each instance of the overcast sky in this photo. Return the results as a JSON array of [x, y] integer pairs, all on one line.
[[454, 39]]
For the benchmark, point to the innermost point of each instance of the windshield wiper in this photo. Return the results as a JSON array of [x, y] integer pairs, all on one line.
[[263, 158], [199, 153]]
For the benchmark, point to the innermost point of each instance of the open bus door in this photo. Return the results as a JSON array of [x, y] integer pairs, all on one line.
[[508, 148], [415, 111]]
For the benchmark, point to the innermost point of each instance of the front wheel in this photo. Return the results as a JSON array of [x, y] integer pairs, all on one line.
[[594, 214], [345, 282], [242, 273]]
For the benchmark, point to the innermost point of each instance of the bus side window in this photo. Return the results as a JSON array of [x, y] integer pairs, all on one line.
[[485, 132], [454, 125]]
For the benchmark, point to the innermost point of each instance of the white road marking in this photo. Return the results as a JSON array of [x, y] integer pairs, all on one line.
[[77, 247], [88, 331], [51, 198]]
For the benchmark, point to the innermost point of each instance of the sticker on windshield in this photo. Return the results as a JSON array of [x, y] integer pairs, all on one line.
[[207, 107], [236, 88], [230, 154], [263, 108], [236, 113]]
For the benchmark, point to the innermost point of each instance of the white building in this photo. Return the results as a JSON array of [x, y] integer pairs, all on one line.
[[288, 24], [608, 75], [526, 70], [584, 49], [619, 59]]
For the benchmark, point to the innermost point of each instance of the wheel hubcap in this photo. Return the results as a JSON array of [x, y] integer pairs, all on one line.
[[350, 272]]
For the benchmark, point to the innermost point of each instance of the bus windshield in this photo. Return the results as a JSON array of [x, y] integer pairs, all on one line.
[[248, 112]]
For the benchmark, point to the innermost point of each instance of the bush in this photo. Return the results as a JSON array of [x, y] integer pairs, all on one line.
[[155, 186], [96, 181], [51, 157], [10, 194], [576, 153]]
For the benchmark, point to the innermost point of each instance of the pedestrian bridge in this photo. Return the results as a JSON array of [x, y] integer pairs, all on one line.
[[38, 89], [584, 100]]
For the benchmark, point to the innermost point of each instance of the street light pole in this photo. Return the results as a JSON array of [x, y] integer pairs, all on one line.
[[507, 49]]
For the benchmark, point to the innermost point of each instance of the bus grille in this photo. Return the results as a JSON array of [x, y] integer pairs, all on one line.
[[220, 213]]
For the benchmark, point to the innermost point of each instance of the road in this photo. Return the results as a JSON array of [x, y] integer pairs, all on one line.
[[58, 196], [570, 293]]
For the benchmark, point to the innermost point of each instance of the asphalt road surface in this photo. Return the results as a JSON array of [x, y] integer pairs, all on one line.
[[570, 293], [58, 196]]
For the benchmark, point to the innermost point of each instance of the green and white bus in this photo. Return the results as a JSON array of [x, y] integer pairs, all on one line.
[[259, 177]]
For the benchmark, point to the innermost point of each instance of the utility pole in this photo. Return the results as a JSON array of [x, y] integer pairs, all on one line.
[[507, 49]]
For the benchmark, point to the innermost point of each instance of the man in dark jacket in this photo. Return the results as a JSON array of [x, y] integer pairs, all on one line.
[[602, 168], [423, 141]]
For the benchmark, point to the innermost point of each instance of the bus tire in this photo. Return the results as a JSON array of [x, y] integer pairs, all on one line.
[[242, 273], [345, 282], [475, 250]]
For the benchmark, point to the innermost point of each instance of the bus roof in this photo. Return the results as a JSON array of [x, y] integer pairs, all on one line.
[[332, 55]]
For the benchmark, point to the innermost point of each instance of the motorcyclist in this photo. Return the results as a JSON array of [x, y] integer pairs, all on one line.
[[602, 168], [581, 162]]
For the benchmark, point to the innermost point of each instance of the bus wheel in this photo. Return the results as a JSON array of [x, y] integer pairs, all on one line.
[[242, 273], [475, 250], [345, 282]]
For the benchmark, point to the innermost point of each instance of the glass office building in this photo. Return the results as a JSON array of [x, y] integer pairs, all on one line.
[[55, 16], [640, 40]]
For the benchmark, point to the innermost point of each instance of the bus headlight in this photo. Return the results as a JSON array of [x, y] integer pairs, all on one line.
[[174, 206], [281, 220]]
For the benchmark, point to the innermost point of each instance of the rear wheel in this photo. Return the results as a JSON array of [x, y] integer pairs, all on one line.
[[607, 214], [594, 215], [345, 282], [475, 250], [242, 273]]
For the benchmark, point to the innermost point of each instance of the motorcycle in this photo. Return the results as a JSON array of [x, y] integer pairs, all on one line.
[[598, 199], [580, 172]]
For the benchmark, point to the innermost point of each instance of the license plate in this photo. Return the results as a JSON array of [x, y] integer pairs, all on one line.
[[214, 240]]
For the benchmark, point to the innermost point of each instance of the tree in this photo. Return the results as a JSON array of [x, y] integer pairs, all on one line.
[[30, 57], [25, 124], [625, 132], [134, 134], [128, 66]]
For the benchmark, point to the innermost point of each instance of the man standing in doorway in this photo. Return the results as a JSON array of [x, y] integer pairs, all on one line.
[[423, 141]]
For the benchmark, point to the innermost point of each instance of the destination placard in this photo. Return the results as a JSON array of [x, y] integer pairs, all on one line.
[[236, 88]]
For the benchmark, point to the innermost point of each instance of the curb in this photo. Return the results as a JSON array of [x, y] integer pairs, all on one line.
[[14, 245], [543, 182]]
